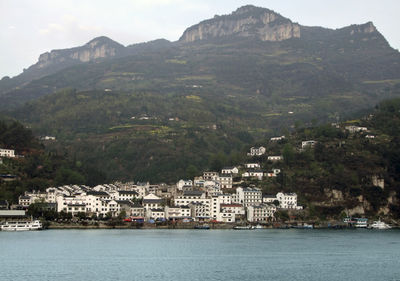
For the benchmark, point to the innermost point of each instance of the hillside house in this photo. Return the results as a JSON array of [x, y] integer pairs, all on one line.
[[277, 138], [309, 143], [257, 151], [275, 158], [225, 181], [210, 176], [230, 170], [9, 153], [356, 129], [252, 166]]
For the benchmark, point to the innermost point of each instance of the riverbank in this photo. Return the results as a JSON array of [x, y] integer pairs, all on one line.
[[191, 225]]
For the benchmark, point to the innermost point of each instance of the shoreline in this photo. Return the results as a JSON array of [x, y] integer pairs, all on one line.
[[188, 226]]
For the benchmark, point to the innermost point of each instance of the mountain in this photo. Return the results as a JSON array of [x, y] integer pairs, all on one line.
[[247, 21], [161, 110], [96, 50]]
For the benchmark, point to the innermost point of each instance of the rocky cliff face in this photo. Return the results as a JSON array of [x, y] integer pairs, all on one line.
[[101, 47], [247, 21], [362, 28]]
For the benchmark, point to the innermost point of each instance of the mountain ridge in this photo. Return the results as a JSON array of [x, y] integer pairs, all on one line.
[[255, 22]]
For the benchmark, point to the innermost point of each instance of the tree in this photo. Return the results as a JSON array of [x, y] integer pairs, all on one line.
[[288, 153], [122, 215]]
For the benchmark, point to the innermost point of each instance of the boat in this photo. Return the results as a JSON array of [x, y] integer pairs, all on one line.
[[202, 226], [379, 225], [349, 220], [361, 223], [246, 227], [258, 226], [304, 226], [21, 225]]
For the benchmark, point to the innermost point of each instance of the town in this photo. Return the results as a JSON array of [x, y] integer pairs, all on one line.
[[214, 196], [232, 195]]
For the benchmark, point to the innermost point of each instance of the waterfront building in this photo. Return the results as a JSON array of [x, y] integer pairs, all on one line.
[[177, 213], [194, 196], [248, 196], [200, 211], [152, 201], [288, 201], [260, 213], [216, 201]]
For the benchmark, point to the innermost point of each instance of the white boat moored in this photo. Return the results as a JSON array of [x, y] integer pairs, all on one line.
[[21, 225]]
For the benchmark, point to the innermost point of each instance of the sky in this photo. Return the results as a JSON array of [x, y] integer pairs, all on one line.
[[29, 28]]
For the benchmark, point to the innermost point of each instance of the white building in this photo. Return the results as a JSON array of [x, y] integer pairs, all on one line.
[[152, 201], [278, 138], [226, 217], [253, 174], [275, 158], [137, 210], [10, 153], [252, 166], [210, 176], [155, 214], [217, 201], [269, 199], [225, 181], [230, 170], [184, 183], [356, 129], [248, 196], [190, 197], [236, 209], [126, 195], [257, 151], [201, 211], [260, 213], [24, 201], [309, 143], [177, 212], [288, 201], [273, 173]]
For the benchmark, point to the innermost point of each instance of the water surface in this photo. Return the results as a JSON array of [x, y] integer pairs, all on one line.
[[183, 255]]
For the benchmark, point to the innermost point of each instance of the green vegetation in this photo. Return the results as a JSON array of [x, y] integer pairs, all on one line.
[[339, 173], [38, 169]]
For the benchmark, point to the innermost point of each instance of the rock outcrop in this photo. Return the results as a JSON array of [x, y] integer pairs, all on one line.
[[247, 21], [100, 47]]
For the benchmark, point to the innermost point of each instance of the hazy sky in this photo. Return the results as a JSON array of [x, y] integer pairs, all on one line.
[[31, 27]]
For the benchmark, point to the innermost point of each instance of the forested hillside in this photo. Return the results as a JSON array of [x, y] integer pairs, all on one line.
[[35, 169], [341, 173]]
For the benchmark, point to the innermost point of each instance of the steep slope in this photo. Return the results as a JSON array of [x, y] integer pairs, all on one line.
[[164, 106], [247, 21], [98, 49]]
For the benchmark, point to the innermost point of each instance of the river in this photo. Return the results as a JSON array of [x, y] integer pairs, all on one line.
[[189, 255]]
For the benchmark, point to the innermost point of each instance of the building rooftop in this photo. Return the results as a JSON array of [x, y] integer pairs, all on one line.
[[192, 193], [128, 192], [98, 193]]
